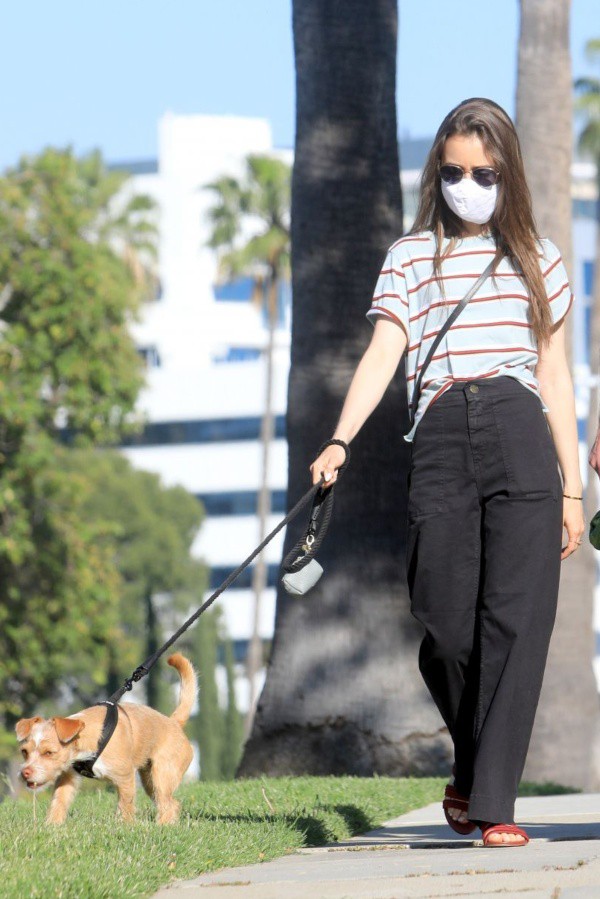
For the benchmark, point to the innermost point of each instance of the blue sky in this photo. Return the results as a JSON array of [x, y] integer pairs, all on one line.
[[101, 74]]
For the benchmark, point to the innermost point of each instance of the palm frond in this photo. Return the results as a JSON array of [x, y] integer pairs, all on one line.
[[227, 211], [587, 85], [592, 50], [587, 107], [250, 219], [589, 140]]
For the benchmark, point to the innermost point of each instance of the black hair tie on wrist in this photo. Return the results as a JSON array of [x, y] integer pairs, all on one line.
[[335, 442]]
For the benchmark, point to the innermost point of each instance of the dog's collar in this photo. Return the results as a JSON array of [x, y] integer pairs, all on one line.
[[85, 767]]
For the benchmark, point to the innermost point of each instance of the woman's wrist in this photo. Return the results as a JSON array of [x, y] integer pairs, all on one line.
[[573, 488], [344, 434]]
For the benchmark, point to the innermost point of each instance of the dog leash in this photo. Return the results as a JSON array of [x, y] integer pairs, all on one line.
[[322, 508]]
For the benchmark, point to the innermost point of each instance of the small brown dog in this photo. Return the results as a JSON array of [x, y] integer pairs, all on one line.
[[143, 740]]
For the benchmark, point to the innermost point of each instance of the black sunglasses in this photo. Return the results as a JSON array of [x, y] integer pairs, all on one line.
[[482, 175]]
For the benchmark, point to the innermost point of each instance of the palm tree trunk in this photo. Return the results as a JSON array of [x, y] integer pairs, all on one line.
[[545, 116], [343, 692], [254, 659], [569, 701]]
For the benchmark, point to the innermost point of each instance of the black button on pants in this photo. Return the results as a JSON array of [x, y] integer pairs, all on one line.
[[484, 544]]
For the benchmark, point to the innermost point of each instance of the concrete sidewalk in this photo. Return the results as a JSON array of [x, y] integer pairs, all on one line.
[[418, 855]]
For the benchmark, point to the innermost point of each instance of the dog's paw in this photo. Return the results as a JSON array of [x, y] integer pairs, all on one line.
[[55, 817]]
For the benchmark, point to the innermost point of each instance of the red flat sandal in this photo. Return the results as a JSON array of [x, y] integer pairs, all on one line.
[[453, 799], [487, 831]]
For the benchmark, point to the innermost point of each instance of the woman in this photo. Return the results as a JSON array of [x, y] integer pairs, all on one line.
[[487, 504]]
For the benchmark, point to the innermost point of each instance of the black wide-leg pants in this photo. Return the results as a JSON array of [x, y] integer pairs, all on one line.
[[484, 543]]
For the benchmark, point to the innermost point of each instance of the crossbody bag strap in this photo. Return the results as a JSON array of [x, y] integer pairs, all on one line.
[[442, 333]]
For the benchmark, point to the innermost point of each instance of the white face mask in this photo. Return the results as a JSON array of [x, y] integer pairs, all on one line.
[[470, 201]]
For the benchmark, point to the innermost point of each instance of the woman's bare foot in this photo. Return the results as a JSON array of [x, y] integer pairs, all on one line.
[[495, 838], [503, 835], [458, 815]]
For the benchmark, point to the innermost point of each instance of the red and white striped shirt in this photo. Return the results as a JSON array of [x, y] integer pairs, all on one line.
[[491, 337]]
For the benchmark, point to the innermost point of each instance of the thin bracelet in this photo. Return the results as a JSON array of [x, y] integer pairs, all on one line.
[[566, 495]]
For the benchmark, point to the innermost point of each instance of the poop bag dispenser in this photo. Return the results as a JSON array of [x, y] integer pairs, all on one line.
[[302, 571]]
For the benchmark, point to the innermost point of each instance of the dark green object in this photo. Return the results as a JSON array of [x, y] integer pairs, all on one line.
[[595, 531]]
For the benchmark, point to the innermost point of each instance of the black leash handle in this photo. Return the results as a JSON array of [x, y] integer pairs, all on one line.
[[146, 667], [318, 522]]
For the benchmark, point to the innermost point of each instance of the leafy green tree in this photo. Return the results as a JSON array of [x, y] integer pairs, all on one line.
[[257, 205], [58, 588], [71, 262], [208, 722], [233, 726], [218, 730], [68, 295]]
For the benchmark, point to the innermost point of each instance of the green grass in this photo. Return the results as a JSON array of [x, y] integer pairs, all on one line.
[[545, 789], [94, 856], [222, 824]]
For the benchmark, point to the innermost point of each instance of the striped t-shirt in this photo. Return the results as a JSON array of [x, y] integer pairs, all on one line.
[[492, 335]]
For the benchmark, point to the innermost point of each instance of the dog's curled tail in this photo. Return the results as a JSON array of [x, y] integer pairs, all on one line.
[[189, 687]]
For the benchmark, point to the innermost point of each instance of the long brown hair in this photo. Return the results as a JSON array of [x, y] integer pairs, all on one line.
[[512, 225]]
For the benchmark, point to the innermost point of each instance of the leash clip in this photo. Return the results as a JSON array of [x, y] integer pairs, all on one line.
[[310, 539]]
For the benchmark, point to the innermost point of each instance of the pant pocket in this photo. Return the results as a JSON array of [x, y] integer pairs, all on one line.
[[426, 494], [527, 445]]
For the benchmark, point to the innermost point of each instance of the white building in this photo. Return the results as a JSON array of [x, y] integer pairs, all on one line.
[[202, 343]]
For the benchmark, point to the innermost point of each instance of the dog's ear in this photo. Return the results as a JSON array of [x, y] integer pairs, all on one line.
[[67, 728], [24, 726]]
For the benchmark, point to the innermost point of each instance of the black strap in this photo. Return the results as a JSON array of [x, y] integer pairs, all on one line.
[[85, 767], [442, 333], [318, 522]]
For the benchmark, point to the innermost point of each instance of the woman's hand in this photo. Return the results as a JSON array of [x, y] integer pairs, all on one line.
[[574, 525], [327, 464]]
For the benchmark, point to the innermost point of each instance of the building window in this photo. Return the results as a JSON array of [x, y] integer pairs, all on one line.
[[284, 300], [238, 291], [216, 430], [242, 291], [244, 581], [588, 278], [584, 209], [239, 502], [150, 355], [239, 354], [240, 651]]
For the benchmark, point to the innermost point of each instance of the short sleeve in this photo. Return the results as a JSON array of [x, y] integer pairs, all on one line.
[[391, 298], [556, 280]]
